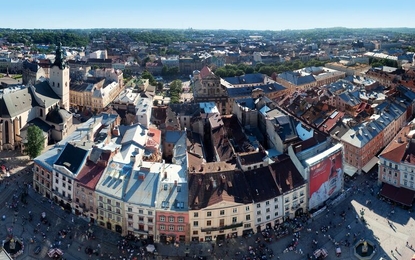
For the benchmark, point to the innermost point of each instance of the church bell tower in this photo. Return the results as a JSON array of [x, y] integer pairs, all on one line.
[[59, 77]]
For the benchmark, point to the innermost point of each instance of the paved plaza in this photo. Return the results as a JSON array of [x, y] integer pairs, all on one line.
[[390, 228]]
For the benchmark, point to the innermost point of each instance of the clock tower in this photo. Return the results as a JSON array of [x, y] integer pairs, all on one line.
[[59, 77]]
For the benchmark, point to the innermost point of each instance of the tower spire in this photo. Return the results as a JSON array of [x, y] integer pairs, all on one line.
[[59, 57]]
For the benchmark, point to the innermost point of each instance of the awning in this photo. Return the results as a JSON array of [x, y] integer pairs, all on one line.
[[370, 164], [400, 195], [349, 169]]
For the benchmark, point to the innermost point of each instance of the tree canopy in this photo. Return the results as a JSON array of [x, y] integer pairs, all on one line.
[[240, 69], [35, 141], [147, 75], [176, 88]]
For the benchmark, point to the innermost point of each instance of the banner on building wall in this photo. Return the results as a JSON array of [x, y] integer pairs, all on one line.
[[325, 179]]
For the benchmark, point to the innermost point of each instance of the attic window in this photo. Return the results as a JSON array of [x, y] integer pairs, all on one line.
[[165, 187]]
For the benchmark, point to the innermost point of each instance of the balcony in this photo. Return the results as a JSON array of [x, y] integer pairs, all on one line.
[[225, 227]]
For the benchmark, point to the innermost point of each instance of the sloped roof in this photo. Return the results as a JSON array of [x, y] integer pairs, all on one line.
[[72, 157], [45, 93], [261, 184], [296, 79], [15, 102]]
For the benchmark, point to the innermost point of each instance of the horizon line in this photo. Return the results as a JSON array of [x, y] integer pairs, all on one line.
[[217, 29]]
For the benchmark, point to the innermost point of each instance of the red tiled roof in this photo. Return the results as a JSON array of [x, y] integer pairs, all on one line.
[[395, 150], [205, 71]]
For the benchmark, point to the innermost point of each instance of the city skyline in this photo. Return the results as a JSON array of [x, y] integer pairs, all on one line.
[[183, 14]]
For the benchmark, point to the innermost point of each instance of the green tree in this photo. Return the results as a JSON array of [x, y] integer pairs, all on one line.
[[176, 88], [35, 141], [147, 75]]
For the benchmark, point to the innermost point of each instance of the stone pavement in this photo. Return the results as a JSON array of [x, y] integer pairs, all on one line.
[[390, 228]]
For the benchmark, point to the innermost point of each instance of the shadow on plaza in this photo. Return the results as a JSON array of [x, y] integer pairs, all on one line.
[[369, 196]]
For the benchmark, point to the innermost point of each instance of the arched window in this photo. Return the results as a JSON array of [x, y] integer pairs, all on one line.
[[6, 127]]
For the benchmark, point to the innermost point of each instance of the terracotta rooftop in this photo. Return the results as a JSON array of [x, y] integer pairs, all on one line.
[[396, 150], [91, 172]]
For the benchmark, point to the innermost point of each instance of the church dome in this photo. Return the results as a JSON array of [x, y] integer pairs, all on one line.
[[58, 116]]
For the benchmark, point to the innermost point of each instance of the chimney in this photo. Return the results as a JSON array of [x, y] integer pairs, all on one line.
[[175, 182], [116, 131], [141, 176], [132, 158], [165, 175]]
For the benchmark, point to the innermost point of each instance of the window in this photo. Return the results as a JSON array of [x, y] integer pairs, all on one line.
[[221, 222], [268, 210], [150, 213], [195, 232], [209, 214], [180, 219], [276, 214], [140, 211], [110, 216], [57, 181], [180, 228], [130, 216], [258, 206], [108, 201], [267, 203], [196, 214], [130, 209], [141, 219], [109, 208], [235, 210], [195, 223], [118, 211], [234, 220], [63, 178], [247, 225], [162, 218], [100, 198], [222, 212], [247, 208], [248, 217], [258, 220], [171, 228], [162, 227], [276, 207], [150, 220], [117, 204], [268, 217], [258, 212], [171, 219], [208, 223]]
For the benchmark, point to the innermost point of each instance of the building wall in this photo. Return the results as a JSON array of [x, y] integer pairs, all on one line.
[[226, 219], [59, 81], [42, 180], [111, 213], [141, 220], [269, 212], [172, 226], [84, 202]]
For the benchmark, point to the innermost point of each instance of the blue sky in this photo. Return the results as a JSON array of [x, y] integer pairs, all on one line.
[[212, 14]]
